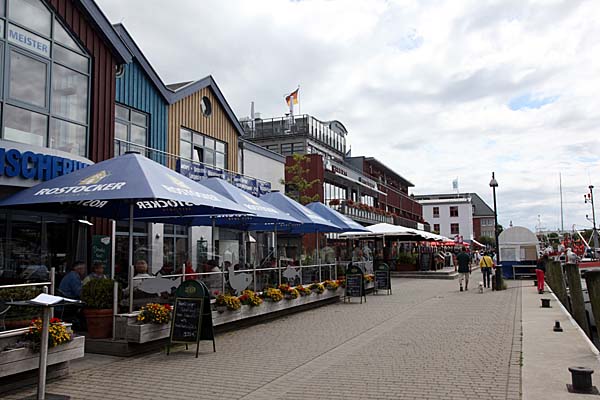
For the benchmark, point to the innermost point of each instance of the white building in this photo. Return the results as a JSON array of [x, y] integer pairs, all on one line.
[[449, 217]]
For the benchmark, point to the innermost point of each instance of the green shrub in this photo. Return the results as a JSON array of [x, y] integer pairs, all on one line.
[[406, 258], [98, 294]]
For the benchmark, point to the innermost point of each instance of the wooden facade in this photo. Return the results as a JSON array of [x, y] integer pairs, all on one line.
[[102, 105], [187, 113], [102, 108], [135, 90]]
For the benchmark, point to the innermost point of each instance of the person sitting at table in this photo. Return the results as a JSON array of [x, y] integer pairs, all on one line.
[[70, 286], [97, 272], [167, 269]]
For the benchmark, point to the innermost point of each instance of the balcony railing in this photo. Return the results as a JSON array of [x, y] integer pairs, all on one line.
[[195, 170], [360, 215]]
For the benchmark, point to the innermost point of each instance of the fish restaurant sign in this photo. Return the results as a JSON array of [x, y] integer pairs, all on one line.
[[29, 165]]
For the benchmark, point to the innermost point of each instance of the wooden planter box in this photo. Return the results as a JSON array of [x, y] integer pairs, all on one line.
[[21, 360], [127, 328]]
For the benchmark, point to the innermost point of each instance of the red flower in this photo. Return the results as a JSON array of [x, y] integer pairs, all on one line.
[[55, 320]]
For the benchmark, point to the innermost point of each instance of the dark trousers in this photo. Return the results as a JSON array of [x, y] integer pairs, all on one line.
[[487, 273]]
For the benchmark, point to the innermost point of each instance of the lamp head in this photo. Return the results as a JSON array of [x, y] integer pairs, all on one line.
[[493, 182]]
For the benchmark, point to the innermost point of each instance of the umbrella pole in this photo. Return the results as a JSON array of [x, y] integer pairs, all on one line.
[[319, 258], [276, 255], [130, 257], [113, 229]]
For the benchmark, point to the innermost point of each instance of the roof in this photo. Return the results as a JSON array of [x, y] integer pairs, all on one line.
[[142, 60], [373, 160], [181, 91], [175, 91], [445, 201], [106, 30], [175, 86], [517, 235], [481, 209], [248, 145]]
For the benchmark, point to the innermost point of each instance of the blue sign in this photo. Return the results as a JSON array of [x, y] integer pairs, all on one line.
[[198, 172], [30, 165]]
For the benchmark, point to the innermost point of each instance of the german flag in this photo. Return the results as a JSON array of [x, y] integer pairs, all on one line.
[[292, 97]]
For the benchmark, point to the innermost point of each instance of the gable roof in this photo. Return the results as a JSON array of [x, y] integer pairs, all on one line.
[[182, 90], [142, 60], [106, 30]]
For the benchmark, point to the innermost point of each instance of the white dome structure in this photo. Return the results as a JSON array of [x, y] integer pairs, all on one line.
[[518, 243]]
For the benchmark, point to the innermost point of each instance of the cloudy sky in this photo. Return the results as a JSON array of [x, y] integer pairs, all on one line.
[[434, 89]]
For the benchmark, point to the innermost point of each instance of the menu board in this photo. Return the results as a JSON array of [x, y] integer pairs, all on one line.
[[354, 285], [382, 280], [425, 261], [187, 320]]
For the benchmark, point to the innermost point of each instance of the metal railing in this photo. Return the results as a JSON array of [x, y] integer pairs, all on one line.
[[47, 287], [362, 215], [170, 160]]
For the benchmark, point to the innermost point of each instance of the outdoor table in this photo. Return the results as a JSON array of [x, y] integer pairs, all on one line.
[[46, 302]]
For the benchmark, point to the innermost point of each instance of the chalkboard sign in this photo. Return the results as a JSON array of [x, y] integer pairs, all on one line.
[[382, 278], [355, 285], [187, 320], [192, 315], [425, 261]]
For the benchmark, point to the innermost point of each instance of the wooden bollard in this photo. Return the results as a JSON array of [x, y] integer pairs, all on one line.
[[576, 294], [557, 282], [592, 281]]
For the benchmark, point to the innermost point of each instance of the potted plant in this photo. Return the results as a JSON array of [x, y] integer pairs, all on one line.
[[97, 295], [334, 202]]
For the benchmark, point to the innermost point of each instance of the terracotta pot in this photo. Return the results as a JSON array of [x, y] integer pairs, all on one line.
[[99, 323]]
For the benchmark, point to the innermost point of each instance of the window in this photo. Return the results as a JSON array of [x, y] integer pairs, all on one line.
[[298, 148], [454, 229], [454, 211], [332, 191], [436, 212], [204, 149], [47, 77], [141, 248], [436, 228], [131, 129], [175, 245]]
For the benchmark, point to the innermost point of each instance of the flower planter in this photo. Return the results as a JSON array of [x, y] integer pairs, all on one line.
[[24, 359], [99, 323], [144, 333]]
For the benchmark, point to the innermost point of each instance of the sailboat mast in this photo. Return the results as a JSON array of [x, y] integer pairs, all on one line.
[[562, 222]]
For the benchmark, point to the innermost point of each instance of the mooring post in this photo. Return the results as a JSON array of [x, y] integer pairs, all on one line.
[[557, 282], [592, 281], [576, 294]]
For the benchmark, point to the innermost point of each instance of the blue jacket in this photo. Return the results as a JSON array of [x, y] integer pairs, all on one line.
[[70, 286]]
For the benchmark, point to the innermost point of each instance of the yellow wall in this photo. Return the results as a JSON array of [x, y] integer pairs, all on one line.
[[187, 113]]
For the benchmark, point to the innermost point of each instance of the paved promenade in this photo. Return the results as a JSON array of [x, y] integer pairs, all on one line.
[[426, 341]]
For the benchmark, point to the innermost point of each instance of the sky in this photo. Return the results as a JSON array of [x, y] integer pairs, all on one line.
[[436, 90]]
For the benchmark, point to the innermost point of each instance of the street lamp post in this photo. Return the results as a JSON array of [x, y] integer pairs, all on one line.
[[590, 198], [494, 185]]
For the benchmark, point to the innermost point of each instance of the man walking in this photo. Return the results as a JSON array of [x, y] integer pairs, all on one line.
[[464, 269], [486, 263]]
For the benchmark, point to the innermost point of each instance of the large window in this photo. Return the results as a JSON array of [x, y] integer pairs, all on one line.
[[436, 212], [131, 128], [46, 80], [454, 211], [202, 148], [436, 228], [175, 246], [333, 191]]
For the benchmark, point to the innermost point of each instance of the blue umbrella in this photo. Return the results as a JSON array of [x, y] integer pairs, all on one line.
[[118, 187], [130, 186], [337, 218], [311, 222], [265, 217]]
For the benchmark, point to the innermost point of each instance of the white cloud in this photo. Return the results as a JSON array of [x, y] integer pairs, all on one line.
[[422, 85]]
